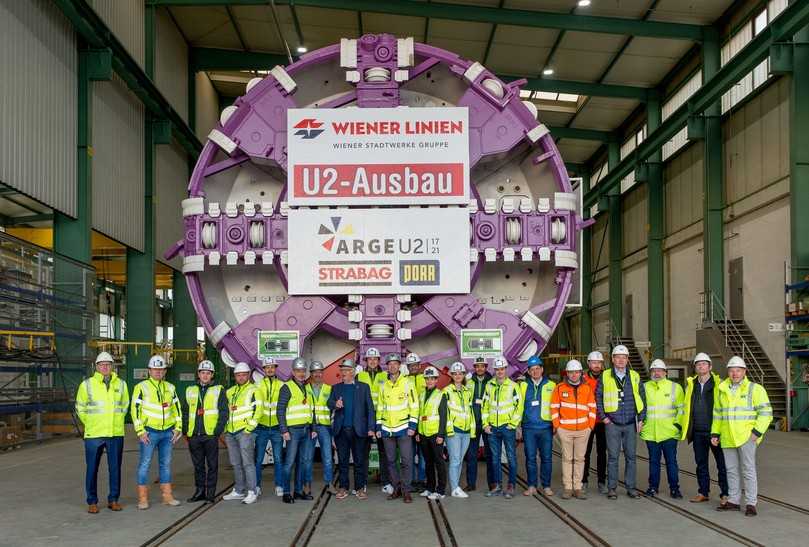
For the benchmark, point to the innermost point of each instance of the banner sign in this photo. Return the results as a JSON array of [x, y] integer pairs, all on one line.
[[375, 156], [378, 251]]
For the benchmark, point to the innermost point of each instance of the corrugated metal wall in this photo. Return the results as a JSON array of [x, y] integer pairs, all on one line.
[[635, 220], [171, 180], [683, 178], [118, 162], [207, 106], [597, 247], [38, 102], [171, 63], [126, 20]]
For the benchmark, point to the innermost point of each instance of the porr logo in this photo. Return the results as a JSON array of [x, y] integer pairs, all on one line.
[[308, 128]]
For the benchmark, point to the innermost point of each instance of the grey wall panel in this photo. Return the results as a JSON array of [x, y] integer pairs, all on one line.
[[171, 63], [207, 106], [683, 178], [38, 102], [171, 179], [600, 246], [126, 20], [118, 163], [635, 219]]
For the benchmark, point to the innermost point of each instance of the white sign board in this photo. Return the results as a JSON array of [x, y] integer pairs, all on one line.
[[378, 251], [481, 343], [367, 156]]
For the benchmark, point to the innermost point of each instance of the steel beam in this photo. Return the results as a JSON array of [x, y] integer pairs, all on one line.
[[713, 255], [616, 250], [581, 134], [481, 14], [185, 331], [799, 158], [586, 320], [655, 207]]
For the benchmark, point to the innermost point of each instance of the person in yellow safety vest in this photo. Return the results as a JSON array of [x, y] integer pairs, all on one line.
[[536, 428], [295, 415], [462, 419], [619, 401], [101, 403], [374, 377], [433, 429], [502, 415], [158, 424], [416, 379], [701, 392], [396, 422], [246, 408], [268, 431], [319, 393], [741, 415], [204, 420], [661, 430]]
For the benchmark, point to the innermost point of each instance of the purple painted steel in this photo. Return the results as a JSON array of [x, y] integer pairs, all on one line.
[[499, 122]]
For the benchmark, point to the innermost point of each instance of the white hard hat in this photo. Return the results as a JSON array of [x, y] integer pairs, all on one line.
[[736, 362], [573, 365], [457, 366], [430, 372], [299, 363], [156, 361], [393, 357], [316, 365], [412, 359], [241, 367], [269, 361], [104, 357], [372, 352], [702, 357], [658, 363], [595, 356], [620, 349], [500, 363], [347, 363], [205, 365]]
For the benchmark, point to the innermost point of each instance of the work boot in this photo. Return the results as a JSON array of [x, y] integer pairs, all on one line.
[[651, 492], [168, 498], [611, 494], [469, 488], [567, 494], [699, 498], [115, 506], [580, 494], [199, 495], [676, 494], [750, 511], [396, 494], [143, 497], [729, 506], [407, 497], [92, 509], [210, 495], [288, 499]]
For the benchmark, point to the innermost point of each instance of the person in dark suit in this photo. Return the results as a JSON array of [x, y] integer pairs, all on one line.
[[353, 424]]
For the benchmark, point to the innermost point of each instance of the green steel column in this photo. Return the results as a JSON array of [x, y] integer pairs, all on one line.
[[185, 331], [586, 323], [616, 236], [713, 199], [657, 232], [799, 158]]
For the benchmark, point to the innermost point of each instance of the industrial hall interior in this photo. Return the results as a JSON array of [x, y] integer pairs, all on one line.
[[236, 309]]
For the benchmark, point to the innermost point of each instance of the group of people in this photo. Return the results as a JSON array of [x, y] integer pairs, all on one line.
[[426, 433]]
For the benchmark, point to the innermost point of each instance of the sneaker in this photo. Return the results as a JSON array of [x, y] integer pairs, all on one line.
[[612, 495], [633, 494], [233, 495], [496, 491], [676, 494], [279, 491], [459, 493], [530, 491], [547, 491], [509, 493], [342, 494], [387, 489], [361, 495], [602, 488], [651, 492], [258, 491], [425, 493], [251, 497], [435, 496]]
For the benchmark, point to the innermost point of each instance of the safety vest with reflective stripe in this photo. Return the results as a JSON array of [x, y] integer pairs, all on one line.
[[685, 418], [210, 408], [501, 404], [398, 406], [374, 380], [322, 412], [245, 405], [544, 397], [301, 407], [429, 418], [270, 389], [737, 413], [459, 404], [609, 391], [102, 410], [418, 383], [664, 408], [155, 405], [573, 407]]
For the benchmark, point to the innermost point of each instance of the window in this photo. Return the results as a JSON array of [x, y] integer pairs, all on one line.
[[671, 105]]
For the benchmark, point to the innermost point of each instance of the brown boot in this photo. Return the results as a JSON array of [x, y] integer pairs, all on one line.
[[92, 509], [168, 499], [115, 506], [143, 497]]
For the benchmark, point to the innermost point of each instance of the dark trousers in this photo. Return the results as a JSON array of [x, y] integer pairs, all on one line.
[[599, 438], [434, 464], [93, 450], [472, 460], [352, 446], [668, 450], [702, 445], [204, 451], [399, 479]]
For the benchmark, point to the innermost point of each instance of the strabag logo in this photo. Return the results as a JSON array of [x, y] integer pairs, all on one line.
[[308, 128], [349, 273]]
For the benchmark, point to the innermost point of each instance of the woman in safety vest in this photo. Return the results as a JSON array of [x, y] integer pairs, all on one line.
[[462, 421]]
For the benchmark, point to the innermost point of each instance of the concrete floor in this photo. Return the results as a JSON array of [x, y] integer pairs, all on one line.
[[43, 490]]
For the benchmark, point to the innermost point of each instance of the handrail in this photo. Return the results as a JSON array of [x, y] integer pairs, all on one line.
[[713, 311]]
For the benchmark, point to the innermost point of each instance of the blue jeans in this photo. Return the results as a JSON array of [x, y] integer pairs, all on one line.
[[500, 436], [324, 440], [295, 455], [667, 449], [93, 449], [270, 435], [420, 469], [456, 446], [472, 460], [160, 441], [542, 440], [621, 437]]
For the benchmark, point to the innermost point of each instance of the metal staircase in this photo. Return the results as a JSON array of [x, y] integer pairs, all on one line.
[[636, 361]]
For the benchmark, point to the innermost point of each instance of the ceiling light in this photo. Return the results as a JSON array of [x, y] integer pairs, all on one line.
[[584, 3], [302, 49], [547, 72]]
